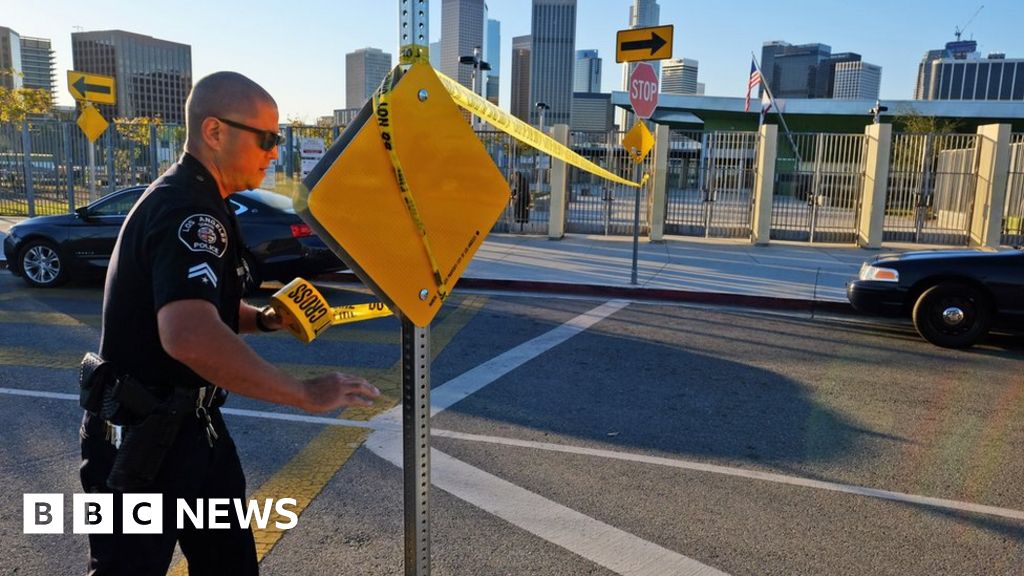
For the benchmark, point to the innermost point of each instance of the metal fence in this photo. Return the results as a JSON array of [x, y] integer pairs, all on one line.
[[44, 164], [1013, 212], [596, 205], [931, 189], [710, 183], [511, 157], [818, 187]]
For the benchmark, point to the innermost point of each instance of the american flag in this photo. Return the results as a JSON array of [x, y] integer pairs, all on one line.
[[755, 79]]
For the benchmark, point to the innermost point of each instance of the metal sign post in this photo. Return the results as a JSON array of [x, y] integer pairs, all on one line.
[[413, 32]]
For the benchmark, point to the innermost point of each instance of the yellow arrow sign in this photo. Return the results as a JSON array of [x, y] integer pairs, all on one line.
[[92, 123], [93, 88], [637, 44], [638, 142]]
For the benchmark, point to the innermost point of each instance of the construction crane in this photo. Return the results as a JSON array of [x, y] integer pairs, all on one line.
[[958, 30]]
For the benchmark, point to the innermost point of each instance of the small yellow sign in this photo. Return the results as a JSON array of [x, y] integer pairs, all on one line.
[[92, 123], [92, 88], [638, 142], [637, 44]]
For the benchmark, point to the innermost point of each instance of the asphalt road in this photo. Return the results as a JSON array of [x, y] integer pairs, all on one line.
[[656, 440]]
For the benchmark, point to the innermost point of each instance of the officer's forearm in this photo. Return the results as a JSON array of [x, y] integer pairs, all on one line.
[[192, 333]]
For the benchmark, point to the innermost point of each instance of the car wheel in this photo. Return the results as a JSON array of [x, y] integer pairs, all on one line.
[[952, 315], [42, 266]]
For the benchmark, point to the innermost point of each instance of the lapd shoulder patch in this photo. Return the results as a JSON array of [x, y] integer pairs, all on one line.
[[204, 233]]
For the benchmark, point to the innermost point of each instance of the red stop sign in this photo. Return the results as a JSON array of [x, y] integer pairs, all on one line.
[[643, 90]]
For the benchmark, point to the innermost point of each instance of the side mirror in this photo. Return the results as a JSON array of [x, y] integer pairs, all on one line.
[[82, 212]]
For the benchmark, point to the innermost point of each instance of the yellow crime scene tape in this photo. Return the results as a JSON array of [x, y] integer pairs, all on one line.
[[523, 132], [306, 313]]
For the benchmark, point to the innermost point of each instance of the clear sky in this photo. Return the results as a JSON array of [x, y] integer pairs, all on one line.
[[297, 49]]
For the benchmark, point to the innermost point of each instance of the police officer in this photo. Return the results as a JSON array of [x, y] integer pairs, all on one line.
[[172, 311]]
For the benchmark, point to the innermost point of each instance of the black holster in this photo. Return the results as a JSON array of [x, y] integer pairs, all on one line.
[[145, 444]]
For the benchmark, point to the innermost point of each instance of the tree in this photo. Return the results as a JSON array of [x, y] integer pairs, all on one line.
[[18, 103], [137, 132], [911, 121]]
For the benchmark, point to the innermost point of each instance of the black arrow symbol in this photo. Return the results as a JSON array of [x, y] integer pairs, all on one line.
[[82, 87], [655, 43]]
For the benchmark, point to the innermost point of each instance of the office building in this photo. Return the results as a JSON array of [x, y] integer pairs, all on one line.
[[492, 55], [520, 77], [959, 72], [152, 77], [587, 77], [462, 31], [857, 80], [827, 69], [591, 111], [364, 70], [435, 55], [642, 14], [679, 76], [795, 71], [38, 65], [10, 59], [552, 59]]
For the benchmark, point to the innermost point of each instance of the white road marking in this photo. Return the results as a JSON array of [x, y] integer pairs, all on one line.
[[740, 473]]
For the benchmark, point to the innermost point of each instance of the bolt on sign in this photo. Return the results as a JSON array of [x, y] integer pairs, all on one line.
[[406, 195]]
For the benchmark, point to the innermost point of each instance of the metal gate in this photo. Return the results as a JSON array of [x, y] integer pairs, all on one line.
[[528, 215], [1013, 212], [818, 187], [932, 187], [596, 205], [710, 183]]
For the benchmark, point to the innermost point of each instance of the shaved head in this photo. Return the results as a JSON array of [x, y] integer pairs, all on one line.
[[223, 94]]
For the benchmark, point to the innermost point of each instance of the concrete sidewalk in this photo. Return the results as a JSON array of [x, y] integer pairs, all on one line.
[[726, 271]]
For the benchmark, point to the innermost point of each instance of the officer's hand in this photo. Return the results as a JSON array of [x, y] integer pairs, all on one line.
[[337, 390]]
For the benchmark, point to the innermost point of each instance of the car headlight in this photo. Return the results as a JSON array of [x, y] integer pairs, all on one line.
[[878, 273]]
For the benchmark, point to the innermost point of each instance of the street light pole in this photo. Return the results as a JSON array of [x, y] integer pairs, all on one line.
[[541, 107], [478, 66]]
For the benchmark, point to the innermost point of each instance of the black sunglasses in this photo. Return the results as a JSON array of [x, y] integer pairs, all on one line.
[[268, 139]]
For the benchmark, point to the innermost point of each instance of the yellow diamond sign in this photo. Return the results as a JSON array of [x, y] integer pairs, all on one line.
[[638, 142], [406, 241], [92, 123]]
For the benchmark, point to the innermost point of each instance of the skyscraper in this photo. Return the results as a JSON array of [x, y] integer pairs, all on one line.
[[37, 64], [153, 77], [642, 13], [520, 96], [364, 70], [587, 77], [857, 80], [553, 29], [435, 55], [492, 55], [679, 76], [959, 72], [794, 71], [10, 59], [462, 30]]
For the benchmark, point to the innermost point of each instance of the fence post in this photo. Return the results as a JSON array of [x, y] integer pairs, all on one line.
[[69, 163], [875, 185], [289, 167], [993, 173], [659, 183], [154, 164], [26, 150], [764, 185], [559, 180], [111, 177]]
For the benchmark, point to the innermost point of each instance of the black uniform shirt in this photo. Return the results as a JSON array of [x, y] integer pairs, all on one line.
[[179, 242]]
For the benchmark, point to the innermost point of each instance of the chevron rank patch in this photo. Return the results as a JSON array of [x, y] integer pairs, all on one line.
[[204, 273], [204, 233]]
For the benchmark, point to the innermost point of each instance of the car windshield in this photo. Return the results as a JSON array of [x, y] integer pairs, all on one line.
[[272, 199]]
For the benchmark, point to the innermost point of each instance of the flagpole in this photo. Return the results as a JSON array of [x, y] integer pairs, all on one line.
[[782, 119]]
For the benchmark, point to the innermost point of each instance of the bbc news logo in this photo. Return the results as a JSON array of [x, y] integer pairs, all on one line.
[[144, 513]]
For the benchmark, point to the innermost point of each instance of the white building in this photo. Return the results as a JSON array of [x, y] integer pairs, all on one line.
[[857, 81]]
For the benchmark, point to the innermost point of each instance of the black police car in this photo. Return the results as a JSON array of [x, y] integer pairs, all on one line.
[[953, 297], [49, 250]]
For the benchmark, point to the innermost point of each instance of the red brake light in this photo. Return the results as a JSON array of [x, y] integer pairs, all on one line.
[[301, 230]]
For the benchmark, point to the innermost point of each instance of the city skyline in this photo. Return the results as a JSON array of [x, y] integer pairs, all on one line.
[[301, 57]]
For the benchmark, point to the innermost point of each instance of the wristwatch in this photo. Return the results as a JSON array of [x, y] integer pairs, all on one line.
[[261, 319]]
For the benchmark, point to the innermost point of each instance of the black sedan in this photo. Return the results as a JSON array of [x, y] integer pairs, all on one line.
[[49, 250], [953, 297]]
